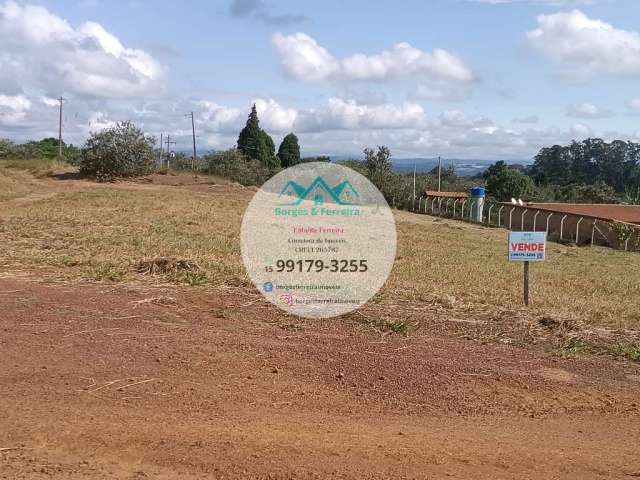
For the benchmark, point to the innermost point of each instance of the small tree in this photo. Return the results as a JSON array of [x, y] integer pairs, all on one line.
[[504, 183], [120, 151], [7, 148], [289, 151], [378, 165]]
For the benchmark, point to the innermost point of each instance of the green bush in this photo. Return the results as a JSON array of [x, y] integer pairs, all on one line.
[[505, 182], [120, 151], [47, 148], [235, 166]]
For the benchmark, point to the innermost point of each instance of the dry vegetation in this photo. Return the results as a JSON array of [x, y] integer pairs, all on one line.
[[73, 228]]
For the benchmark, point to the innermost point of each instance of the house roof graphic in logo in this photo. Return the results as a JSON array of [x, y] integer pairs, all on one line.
[[320, 192]]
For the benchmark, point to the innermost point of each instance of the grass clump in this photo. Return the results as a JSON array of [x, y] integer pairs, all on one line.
[[630, 351], [107, 271], [571, 346], [383, 325], [177, 269], [193, 278], [166, 266]]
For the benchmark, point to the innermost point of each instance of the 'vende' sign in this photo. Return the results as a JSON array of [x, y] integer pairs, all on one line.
[[527, 246]]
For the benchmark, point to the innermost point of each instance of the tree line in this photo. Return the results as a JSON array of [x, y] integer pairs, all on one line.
[[124, 150], [587, 171]]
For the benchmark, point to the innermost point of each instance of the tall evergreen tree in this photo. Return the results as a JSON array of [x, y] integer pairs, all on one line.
[[250, 136], [268, 151], [255, 143], [289, 151]]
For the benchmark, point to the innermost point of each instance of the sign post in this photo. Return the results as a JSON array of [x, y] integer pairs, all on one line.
[[526, 283], [527, 247]]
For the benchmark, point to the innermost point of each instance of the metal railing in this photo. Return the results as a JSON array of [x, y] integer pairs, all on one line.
[[564, 228]]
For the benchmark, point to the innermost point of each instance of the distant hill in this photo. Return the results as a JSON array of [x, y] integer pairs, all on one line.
[[464, 167]]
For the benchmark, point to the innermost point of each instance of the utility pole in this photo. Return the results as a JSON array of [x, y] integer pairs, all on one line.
[[414, 179], [169, 143], [193, 130], [161, 150], [60, 129], [439, 173]]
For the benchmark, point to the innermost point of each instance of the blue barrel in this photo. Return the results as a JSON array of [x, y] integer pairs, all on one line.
[[477, 203], [478, 192]]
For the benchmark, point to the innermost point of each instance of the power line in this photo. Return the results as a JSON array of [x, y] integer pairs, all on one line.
[[60, 129], [193, 130], [169, 142]]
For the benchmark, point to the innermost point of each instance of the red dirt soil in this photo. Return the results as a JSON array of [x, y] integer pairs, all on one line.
[[137, 382]]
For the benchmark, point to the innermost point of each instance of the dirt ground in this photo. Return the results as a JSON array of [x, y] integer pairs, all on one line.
[[132, 381]]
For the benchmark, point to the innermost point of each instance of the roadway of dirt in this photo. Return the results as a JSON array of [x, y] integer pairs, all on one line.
[[137, 381]]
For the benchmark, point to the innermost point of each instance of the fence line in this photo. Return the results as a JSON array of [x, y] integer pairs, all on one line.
[[617, 235]]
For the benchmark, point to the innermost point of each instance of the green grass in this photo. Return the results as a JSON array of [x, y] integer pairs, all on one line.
[[573, 346], [630, 351], [384, 325]]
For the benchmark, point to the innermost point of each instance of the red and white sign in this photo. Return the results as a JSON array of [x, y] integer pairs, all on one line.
[[527, 246]]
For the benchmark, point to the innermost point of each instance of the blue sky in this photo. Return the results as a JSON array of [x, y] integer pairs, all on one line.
[[489, 79]]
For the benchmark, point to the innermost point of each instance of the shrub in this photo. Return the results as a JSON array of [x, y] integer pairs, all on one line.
[[504, 182], [234, 165], [116, 152], [6, 148]]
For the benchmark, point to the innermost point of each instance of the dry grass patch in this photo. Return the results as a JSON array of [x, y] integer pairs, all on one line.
[[96, 231], [467, 265], [103, 231]]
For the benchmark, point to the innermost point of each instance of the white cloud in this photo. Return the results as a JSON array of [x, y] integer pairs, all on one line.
[[580, 130], [588, 110], [49, 54], [13, 109], [275, 117], [303, 58], [583, 47], [221, 119], [99, 121], [50, 102], [340, 114], [336, 126]]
